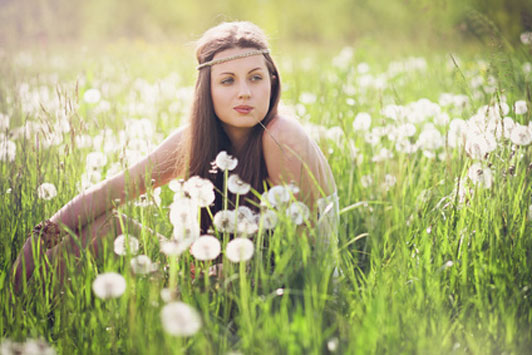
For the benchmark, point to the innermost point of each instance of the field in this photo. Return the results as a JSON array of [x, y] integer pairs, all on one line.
[[432, 158]]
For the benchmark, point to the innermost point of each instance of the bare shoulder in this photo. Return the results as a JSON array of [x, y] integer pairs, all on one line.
[[283, 130]]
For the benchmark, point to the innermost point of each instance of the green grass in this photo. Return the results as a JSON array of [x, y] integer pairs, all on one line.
[[420, 271]]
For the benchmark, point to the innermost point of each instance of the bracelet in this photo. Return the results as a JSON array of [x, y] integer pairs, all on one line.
[[49, 232]]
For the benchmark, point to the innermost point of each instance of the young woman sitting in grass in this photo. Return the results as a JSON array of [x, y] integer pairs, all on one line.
[[234, 110]]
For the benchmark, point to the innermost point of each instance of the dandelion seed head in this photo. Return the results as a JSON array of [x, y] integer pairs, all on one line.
[[268, 219], [122, 242], [206, 248], [520, 107], [109, 285], [389, 181], [298, 212], [8, 150], [142, 264], [92, 96], [480, 176], [200, 190], [521, 135], [180, 319], [332, 344], [239, 250], [168, 295], [237, 185], [224, 221], [278, 195], [95, 160], [46, 191], [225, 161], [174, 247], [526, 38]]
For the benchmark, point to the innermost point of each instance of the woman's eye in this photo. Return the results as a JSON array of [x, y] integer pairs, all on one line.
[[256, 78], [227, 81]]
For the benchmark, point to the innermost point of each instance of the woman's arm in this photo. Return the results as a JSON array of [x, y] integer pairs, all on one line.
[[95, 203]]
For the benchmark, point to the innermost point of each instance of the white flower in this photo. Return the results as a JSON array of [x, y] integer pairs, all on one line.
[[29, 347], [526, 37], [478, 145], [224, 221], [520, 107], [95, 160], [200, 190], [168, 295], [206, 248], [278, 195], [298, 212], [521, 135], [332, 344], [120, 247], [225, 162], [109, 285], [8, 150], [239, 249], [480, 176], [180, 319], [268, 219], [141, 264], [389, 181], [244, 212], [92, 96], [46, 191], [174, 247], [366, 181], [183, 215], [237, 185]]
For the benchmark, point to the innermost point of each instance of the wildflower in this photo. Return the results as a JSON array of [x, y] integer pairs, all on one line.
[[480, 176], [389, 181], [520, 107], [430, 138], [246, 226], [477, 146], [225, 162], [31, 346], [206, 248], [366, 180], [362, 121], [278, 195], [521, 135], [168, 295], [141, 264], [95, 160], [183, 212], [120, 247], [92, 96], [200, 190], [239, 249], [298, 212], [224, 221], [8, 150], [109, 285], [47, 191], [177, 186], [526, 38], [268, 219], [237, 185], [245, 212], [174, 247], [332, 344], [180, 319]]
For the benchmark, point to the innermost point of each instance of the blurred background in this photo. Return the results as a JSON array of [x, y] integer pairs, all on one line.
[[422, 23]]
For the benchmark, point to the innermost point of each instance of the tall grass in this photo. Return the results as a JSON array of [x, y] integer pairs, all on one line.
[[421, 269]]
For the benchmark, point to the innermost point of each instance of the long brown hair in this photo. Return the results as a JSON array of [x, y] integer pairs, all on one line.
[[206, 137]]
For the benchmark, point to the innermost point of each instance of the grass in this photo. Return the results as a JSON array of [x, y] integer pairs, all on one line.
[[420, 271]]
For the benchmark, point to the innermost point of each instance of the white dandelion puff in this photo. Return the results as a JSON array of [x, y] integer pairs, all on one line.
[[46, 191], [206, 248], [239, 250], [225, 161], [237, 186], [332, 344], [362, 121], [200, 190], [174, 247], [180, 319], [142, 264], [224, 221], [95, 160], [520, 107], [8, 150], [389, 181], [298, 212], [480, 176], [268, 219], [521, 135], [278, 195], [168, 295], [123, 242], [92, 96], [109, 285]]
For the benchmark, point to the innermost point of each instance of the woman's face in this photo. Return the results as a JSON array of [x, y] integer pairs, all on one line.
[[240, 90]]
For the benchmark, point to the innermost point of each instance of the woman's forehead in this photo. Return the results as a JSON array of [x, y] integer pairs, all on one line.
[[242, 64]]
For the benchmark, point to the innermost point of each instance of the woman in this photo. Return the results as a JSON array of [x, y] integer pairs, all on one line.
[[235, 109]]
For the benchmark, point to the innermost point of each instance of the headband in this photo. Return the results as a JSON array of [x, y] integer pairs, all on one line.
[[233, 57]]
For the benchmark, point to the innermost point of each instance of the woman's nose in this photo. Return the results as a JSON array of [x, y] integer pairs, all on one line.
[[244, 91]]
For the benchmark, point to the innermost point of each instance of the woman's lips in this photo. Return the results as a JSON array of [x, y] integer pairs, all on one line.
[[243, 109]]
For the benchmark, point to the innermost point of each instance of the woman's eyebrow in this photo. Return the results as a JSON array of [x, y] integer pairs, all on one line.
[[231, 73]]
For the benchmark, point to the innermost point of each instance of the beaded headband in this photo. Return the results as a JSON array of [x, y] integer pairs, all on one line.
[[233, 57]]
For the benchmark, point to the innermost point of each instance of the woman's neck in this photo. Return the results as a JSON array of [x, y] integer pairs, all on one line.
[[237, 136]]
